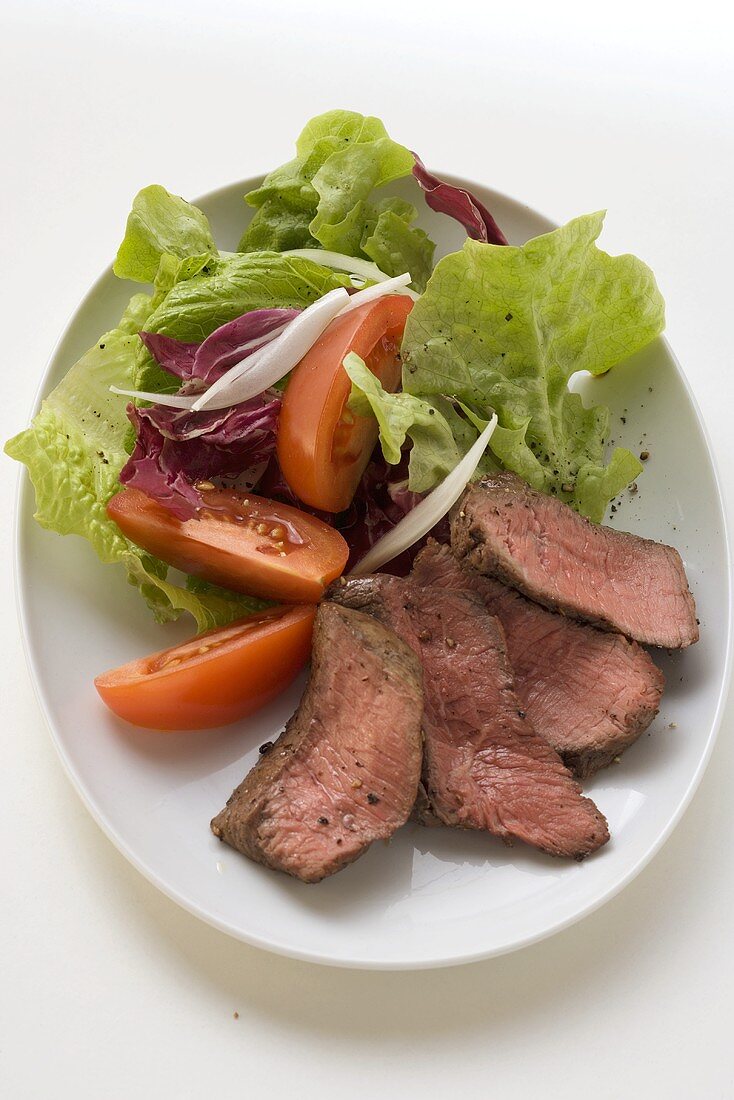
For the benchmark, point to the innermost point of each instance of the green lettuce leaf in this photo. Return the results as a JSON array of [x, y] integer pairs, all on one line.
[[435, 450], [395, 247], [74, 451], [344, 183], [171, 271], [597, 485], [210, 605], [195, 307], [161, 223], [506, 328], [323, 197], [276, 228], [334, 129]]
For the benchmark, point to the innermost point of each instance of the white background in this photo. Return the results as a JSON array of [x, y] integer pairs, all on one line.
[[106, 988]]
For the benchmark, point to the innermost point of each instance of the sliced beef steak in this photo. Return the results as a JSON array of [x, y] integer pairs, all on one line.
[[588, 692], [539, 545], [346, 770], [484, 766]]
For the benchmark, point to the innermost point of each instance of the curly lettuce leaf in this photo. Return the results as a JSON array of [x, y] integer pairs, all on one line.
[[74, 451], [210, 605], [159, 224], [323, 196], [335, 129], [506, 328], [396, 246], [344, 183], [596, 485], [276, 228]]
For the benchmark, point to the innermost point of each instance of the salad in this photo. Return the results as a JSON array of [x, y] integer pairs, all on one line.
[[260, 422]]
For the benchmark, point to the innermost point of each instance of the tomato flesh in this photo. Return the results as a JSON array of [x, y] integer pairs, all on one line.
[[215, 678], [323, 448], [240, 541]]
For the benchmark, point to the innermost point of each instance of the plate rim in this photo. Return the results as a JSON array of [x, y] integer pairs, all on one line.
[[21, 581]]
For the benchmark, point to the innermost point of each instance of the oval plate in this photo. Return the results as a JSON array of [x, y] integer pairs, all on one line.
[[432, 897]]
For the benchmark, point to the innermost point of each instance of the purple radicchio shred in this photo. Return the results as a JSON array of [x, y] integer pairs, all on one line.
[[224, 347], [381, 501], [206, 362], [446, 198], [173, 355], [175, 449]]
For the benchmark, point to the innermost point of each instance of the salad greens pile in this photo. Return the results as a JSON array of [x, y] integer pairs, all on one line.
[[496, 328], [322, 198], [504, 329], [75, 451], [80, 440]]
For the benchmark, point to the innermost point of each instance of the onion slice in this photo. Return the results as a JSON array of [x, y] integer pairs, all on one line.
[[248, 345], [174, 400], [428, 512], [268, 365], [398, 285]]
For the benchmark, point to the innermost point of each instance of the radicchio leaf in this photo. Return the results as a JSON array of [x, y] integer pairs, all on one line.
[[381, 501], [173, 355], [208, 361], [176, 449], [446, 198], [224, 347]]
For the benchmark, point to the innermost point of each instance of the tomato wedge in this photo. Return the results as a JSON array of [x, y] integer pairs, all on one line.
[[323, 448], [216, 677], [239, 541]]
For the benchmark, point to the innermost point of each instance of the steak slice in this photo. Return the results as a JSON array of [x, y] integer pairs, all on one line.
[[588, 692], [345, 772], [484, 766], [539, 545]]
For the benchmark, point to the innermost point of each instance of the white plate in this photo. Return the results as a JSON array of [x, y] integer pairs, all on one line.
[[432, 897]]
